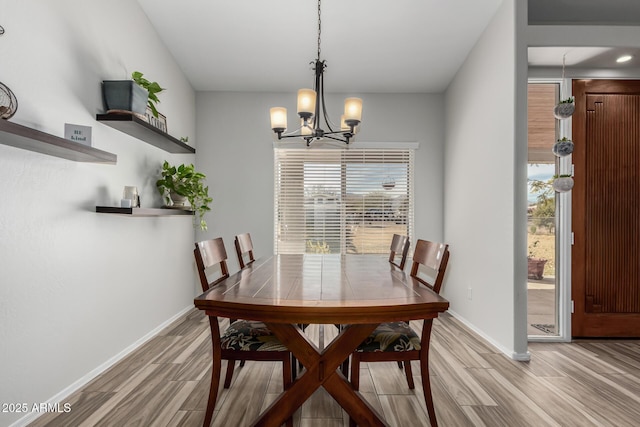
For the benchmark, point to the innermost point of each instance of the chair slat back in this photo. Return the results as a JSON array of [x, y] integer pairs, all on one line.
[[244, 246], [435, 257], [399, 246], [210, 253]]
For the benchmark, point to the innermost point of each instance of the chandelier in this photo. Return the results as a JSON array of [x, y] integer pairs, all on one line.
[[311, 110]]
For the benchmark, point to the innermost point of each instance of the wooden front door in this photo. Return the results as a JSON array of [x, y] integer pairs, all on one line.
[[606, 209]]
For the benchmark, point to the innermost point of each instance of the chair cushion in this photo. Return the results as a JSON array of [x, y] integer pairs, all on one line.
[[392, 336], [248, 335]]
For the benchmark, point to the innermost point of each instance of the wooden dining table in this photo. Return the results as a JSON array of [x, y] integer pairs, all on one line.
[[285, 291]]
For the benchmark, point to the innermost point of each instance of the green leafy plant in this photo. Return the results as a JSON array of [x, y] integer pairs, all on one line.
[[152, 87], [564, 175], [532, 249], [185, 181], [564, 139], [567, 101]]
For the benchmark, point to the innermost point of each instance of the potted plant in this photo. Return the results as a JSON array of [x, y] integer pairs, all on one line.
[[131, 95], [564, 109], [183, 182], [152, 88], [535, 265], [563, 147]]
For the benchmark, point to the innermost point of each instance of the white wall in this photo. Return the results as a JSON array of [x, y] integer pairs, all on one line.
[[75, 286], [236, 154], [484, 189]]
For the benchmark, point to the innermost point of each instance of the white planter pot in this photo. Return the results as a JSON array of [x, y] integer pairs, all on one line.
[[564, 111], [563, 184], [563, 148], [177, 199]]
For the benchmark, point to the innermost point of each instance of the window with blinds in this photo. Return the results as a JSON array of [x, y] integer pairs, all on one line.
[[342, 200]]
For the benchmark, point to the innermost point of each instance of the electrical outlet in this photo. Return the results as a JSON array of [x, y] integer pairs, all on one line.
[[469, 293]]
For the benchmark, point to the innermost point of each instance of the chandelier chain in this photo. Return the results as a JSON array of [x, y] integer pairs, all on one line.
[[319, 29]]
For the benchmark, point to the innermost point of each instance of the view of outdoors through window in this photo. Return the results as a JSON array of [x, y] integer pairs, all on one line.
[[342, 201], [541, 257], [543, 132], [372, 207]]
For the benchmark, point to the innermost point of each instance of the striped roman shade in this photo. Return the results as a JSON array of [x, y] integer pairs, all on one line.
[[342, 200]]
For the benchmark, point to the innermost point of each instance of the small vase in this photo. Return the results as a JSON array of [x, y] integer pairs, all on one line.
[[564, 111], [563, 148]]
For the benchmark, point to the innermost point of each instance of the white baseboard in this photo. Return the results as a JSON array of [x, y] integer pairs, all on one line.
[[521, 357], [66, 392]]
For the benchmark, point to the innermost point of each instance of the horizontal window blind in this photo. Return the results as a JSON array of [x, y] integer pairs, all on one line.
[[342, 200]]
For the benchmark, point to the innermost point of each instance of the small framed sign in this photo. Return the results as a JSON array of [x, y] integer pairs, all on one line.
[[77, 133]]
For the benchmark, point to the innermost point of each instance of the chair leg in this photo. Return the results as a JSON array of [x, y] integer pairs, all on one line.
[[409, 374], [242, 363], [213, 389], [426, 387], [400, 364], [216, 369], [229, 375], [355, 371], [345, 368]]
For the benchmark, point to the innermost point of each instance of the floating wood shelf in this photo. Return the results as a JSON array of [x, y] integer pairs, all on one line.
[[30, 139], [142, 211], [138, 128]]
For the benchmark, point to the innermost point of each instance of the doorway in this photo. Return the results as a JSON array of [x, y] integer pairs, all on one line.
[[542, 280], [606, 209]]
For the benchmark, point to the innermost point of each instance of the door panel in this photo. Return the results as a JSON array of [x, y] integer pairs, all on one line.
[[606, 209]]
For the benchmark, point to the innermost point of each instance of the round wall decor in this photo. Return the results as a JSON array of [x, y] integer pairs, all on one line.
[[8, 102]]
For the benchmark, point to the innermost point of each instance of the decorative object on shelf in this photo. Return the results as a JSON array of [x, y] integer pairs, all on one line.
[[130, 194], [563, 147], [8, 102], [186, 182], [565, 108], [157, 121], [562, 183], [152, 88], [312, 109], [78, 133], [124, 96]]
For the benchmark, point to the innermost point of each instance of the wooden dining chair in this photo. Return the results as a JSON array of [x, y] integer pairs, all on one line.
[[399, 245], [244, 247], [243, 339], [397, 341]]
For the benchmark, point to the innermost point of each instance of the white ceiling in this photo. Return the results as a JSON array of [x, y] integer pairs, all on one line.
[[398, 46], [584, 57], [369, 45]]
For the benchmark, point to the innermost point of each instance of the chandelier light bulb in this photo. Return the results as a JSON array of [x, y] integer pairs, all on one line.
[[306, 103], [278, 119], [353, 110]]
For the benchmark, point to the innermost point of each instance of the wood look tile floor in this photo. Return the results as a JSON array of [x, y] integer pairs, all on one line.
[[166, 382]]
